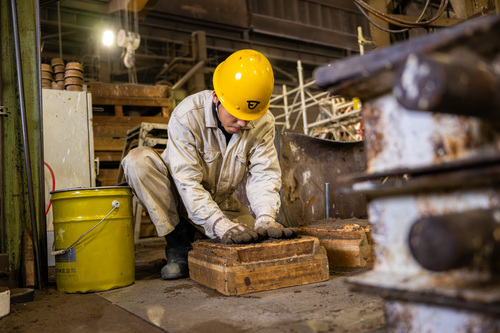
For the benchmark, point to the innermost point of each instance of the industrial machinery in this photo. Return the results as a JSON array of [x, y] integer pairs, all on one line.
[[432, 145]]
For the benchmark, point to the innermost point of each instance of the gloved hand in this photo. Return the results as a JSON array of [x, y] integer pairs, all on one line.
[[266, 225], [233, 233]]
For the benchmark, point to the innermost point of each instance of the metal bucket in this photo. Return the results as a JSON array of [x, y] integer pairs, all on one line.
[[94, 239]]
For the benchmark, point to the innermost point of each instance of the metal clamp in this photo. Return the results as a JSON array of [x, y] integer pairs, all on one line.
[[115, 204]]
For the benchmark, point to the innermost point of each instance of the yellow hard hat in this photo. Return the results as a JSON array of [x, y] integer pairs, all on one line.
[[244, 83]]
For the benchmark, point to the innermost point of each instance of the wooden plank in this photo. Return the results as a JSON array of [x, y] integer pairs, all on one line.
[[133, 121], [134, 101], [261, 251], [119, 110], [109, 144], [107, 177], [242, 269], [28, 259], [111, 130], [132, 90], [108, 156], [165, 112]]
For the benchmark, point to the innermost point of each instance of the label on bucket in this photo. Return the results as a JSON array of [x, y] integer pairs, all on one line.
[[69, 256]]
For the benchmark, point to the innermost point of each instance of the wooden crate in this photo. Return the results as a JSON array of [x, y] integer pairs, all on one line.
[[242, 269]]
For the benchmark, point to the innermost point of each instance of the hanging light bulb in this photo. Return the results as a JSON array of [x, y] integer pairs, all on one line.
[[108, 38]]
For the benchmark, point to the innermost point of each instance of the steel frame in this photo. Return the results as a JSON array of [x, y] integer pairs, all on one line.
[[334, 117]]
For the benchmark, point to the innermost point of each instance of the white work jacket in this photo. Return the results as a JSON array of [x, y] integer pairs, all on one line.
[[207, 171]]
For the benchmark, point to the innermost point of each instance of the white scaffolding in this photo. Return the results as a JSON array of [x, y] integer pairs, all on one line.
[[323, 116]]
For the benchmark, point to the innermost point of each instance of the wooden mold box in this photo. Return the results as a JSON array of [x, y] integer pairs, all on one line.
[[241, 269], [347, 242]]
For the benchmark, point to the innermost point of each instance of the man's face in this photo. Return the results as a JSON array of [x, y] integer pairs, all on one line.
[[231, 124]]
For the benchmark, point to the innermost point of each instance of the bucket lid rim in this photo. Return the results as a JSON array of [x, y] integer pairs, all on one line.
[[90, 189]]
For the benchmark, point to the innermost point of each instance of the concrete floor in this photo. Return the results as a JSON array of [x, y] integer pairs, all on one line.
[[182, 306]]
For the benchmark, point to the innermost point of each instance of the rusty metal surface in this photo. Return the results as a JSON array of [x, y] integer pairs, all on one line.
[[482, 173], [373, 74], [457, 83], [391, 219], [397, 138], [442, 298], [307, 164], [434, 167], [478, 297], [412, 318], [451, 241]]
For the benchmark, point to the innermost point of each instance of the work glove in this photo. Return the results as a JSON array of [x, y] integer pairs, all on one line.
[[233, 233], [266, 225]]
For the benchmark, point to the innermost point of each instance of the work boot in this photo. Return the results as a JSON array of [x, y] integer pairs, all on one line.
[[177, 264], [176, 251]]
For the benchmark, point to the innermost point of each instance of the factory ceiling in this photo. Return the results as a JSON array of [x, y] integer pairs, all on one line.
[[175, 35]]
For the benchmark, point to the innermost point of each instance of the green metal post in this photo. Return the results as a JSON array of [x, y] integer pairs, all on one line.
[[15, 194]]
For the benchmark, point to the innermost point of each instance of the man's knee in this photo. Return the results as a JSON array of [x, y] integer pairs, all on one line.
[[139, 160], [138, 155]]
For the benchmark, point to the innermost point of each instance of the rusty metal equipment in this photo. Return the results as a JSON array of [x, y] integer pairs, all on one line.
[[305, 197], [432, 144]]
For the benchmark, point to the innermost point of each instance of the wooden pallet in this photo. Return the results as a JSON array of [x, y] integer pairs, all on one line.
[[242, 269], [117, 108]]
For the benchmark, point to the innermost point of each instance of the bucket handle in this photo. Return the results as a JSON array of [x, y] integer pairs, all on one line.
[[115, 204]]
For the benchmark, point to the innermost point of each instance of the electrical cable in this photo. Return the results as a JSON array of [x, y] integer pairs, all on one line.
[[378, 26], [53, 185], [403, 23]]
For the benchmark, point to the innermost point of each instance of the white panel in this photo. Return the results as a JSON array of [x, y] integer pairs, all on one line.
[[67, 141]]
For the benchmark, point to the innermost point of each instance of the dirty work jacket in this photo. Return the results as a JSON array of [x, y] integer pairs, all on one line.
[[206, 171]]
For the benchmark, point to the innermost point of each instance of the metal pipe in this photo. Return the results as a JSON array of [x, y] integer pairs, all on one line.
[[285, 103], [461, 84], [302, 96], [3, 246], [166, 67], [337, 118], [327, 200], [59, 28], [441, 243], [42, 281], [294, 90], [188, 75], [27, 159]]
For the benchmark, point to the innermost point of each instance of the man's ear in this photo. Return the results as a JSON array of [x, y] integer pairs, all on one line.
[[215, 98]]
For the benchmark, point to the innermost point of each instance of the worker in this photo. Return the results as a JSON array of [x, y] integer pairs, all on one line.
[[214, 139]]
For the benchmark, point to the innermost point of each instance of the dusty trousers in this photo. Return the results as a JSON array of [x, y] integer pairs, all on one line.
[[148, 176]]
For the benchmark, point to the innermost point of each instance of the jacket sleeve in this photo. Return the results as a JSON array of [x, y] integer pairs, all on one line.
[[264, 175], [184, 162]]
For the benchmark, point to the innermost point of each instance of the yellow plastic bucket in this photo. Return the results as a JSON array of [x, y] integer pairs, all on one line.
[[93, 238]]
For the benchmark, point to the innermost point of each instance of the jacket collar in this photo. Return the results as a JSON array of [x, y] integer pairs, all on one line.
[[210, 120]]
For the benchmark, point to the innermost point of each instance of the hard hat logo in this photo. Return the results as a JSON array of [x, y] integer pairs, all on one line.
[[252, 104], [244, 83]]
